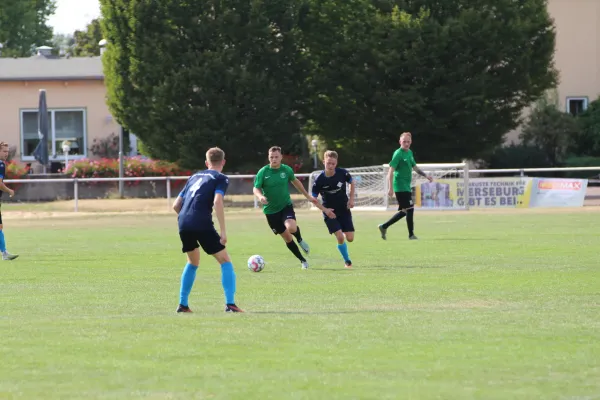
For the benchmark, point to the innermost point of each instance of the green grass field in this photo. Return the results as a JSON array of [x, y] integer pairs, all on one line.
[[498, 305]]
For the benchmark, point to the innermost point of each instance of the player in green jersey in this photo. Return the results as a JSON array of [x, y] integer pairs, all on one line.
[[399, 182], [271, 186]]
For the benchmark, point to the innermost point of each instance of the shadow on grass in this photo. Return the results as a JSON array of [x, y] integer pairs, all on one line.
[[450, 239], [378, 267]]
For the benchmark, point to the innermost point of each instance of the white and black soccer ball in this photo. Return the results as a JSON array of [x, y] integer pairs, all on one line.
[[256, 263]]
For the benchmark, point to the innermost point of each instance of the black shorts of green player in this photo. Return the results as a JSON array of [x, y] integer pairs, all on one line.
[[277, 220]]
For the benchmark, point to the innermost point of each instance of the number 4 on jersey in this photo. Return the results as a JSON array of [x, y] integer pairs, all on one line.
[[195, 187]]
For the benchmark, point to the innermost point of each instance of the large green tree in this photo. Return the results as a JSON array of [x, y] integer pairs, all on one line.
[[23, 26], [185, 76], [456, 73]]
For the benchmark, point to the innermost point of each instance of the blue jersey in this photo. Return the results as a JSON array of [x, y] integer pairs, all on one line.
[[333, 189], [198, 198], [2, 173]]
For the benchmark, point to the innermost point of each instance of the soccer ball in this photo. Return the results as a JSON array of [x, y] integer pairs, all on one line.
[[256, 263]]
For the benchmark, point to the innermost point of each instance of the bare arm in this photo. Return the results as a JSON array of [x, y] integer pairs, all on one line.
[[301, 189], [6, 189], [351, 196], [316, 202], [177, 204], [259, 193], [220, 212], [423, 174], [391, 181]]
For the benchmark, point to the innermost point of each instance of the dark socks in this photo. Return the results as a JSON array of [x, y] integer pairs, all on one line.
[[297, 234], [409, 221], [295, 250], [397, 217]]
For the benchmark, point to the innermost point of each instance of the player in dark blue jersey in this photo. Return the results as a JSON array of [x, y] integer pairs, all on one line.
[[331, 185], [3, 188], [194, 207]]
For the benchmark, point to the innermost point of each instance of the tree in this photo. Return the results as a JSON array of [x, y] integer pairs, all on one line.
[[187, 76], [62, 44], [86, 42], [23, 26], [587, 142], [458, 74], [550, 130]]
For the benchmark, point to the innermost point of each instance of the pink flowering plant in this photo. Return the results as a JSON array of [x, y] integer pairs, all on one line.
[[132, 167]]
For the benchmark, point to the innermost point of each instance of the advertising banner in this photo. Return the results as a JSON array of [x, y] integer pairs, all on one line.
[[482, 192], [549, 192], [501, 193]]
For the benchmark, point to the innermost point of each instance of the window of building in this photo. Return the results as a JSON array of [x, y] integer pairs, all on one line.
[[65, 124], [577, 105]]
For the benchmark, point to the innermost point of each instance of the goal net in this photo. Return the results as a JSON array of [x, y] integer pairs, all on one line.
[[446, 192]]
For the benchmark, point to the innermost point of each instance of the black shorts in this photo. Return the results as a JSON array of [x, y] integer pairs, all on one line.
[[0, 213], [343, 222], [277, 220], [405, 200], [208, 239]]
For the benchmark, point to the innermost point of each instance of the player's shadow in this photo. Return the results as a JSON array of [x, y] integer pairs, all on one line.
[[468, 239], [369, 311], [390, 267], [333, 269], [378, 267]]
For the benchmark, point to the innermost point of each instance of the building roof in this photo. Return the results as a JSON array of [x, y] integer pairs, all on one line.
[[44, 68]]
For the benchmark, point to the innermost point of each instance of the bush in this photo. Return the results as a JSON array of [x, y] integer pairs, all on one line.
[[109, 146], [585, 161], [587, 141], [133, 167], [16, 170], [518, 156]]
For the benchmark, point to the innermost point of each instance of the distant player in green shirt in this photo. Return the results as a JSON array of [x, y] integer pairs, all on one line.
[[271, 188], [399, 182]]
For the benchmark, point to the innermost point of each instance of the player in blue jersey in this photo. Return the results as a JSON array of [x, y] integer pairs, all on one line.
[[194, 207], [3, 188], [331, 185]]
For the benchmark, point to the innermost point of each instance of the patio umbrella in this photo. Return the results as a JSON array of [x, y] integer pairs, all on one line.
[[41, 151]]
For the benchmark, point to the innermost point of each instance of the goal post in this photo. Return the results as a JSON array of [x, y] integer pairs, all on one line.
[[448, 191]]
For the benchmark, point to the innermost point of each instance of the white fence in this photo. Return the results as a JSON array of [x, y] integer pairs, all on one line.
[[168, 180]]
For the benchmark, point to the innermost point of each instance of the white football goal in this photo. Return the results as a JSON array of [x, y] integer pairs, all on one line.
[[448, 191]]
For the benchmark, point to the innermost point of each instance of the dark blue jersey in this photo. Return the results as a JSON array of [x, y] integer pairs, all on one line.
[[2, 173], [333, 189], [198, 198]]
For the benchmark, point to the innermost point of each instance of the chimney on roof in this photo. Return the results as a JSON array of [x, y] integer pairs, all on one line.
[[102, 45], [45, 51]]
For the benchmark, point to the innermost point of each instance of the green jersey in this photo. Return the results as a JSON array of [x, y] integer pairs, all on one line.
[[274, 184], [403, 163]]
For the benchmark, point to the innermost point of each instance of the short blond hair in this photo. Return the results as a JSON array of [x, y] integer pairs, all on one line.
[[215, 155], [3, 144], [330, 154], [275, 149], [406, 134]]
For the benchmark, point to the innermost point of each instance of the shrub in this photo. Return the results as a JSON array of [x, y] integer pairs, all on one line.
[[586, 161], [518, 156], [132, 167], [16, 170]]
